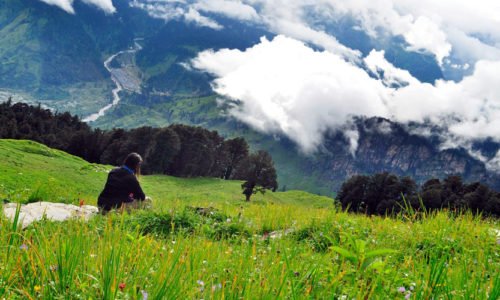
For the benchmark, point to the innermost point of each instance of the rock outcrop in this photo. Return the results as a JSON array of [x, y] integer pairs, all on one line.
[[52, 211], [385, 146]]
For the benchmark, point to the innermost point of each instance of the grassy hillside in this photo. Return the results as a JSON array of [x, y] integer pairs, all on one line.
[[32, 170], [289, 245]]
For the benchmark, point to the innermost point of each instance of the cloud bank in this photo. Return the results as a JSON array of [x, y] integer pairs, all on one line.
[[284, 86], [67, 5], [457, 32]]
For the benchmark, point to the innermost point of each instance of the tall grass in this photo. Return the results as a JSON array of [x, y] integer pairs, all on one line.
[[319, 253]]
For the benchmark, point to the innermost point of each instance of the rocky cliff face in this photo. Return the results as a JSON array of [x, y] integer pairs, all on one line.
[[387, 146]]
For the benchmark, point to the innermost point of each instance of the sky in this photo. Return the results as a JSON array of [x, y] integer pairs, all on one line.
[[304, 82]]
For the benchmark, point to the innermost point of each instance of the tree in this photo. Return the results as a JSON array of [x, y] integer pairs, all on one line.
[[162, 151], [352, 193], [237, 150], [259, 174], [197, 153], [452, 191], [376, 194], [382, 193], [431, 193]]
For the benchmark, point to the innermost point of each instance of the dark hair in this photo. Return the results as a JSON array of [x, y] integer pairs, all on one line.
[[133, 161]]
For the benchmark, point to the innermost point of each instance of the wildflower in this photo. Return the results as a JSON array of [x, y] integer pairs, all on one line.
[[121, 286], [216, 287], [144, 295], [23, 247], [38, 288], [401, 289], [408, 296], [201, 284]]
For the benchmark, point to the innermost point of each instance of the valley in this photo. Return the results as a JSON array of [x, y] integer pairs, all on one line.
[[124, 74]]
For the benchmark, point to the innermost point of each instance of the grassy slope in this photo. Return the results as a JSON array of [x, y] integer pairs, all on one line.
[[439, 256], [32, 169]]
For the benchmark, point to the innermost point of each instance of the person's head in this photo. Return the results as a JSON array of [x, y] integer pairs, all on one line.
[[133, 161]]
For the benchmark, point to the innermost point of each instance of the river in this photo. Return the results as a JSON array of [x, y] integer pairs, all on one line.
[[123, 77]]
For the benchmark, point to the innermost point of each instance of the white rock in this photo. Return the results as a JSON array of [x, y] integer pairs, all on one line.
[[53, 211]]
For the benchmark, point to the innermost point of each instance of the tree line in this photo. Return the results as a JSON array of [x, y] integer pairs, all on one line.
[[385, 193], [178, 150]]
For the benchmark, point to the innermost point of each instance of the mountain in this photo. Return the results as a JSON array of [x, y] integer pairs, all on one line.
[[57, 59], [388, 146]]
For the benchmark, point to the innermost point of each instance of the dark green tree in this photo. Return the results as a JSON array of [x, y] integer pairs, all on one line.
[[237, 151], [431, 193], [259, 174], [164, 147], [352, 193]]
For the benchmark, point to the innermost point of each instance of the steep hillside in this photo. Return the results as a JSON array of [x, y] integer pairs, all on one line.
[[34, 171], [56, 58]]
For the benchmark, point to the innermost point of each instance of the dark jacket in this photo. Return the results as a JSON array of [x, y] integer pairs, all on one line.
[[121, 186]]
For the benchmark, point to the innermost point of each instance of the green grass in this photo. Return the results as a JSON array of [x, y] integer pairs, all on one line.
[[29, 167], [173, 252]]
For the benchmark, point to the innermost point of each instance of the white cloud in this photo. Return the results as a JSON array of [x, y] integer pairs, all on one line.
[[192, 15], [175, 10], [425, 24], [166, 10], [286, 87], [494, 164], [67, 5], [106, 5], [425, 35], [385, 71], [444, 28], [233, 9], [475, 101]]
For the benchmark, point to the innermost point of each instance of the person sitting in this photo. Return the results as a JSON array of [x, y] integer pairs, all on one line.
[[122, 189]]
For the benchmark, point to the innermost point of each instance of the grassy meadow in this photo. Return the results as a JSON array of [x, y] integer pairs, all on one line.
[[284, 245]]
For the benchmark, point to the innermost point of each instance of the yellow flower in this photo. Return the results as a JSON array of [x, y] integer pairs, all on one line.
[[38, 288]]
